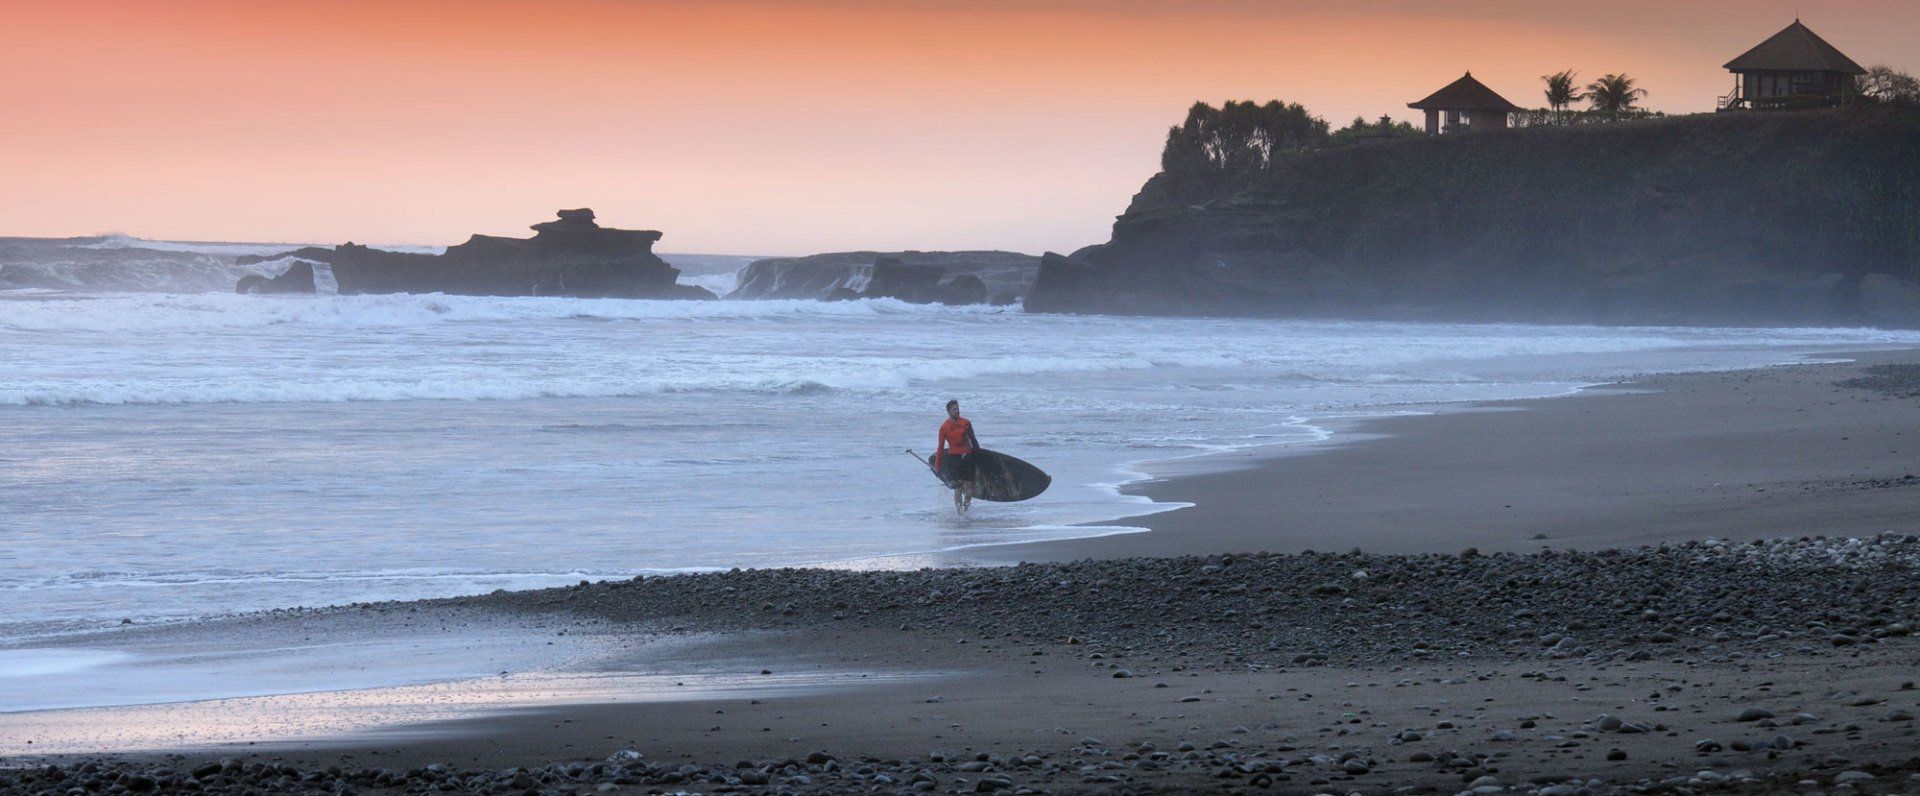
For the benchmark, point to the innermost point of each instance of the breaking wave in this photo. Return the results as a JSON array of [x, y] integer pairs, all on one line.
[[119, 263], [146, 312]]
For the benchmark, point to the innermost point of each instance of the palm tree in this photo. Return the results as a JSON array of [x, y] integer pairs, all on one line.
[[1614, 93], [1560, 91]]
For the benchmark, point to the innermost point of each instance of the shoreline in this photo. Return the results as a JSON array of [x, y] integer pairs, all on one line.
[[1170, 483], [1767, 665], [1256, 489], [1205, 667]]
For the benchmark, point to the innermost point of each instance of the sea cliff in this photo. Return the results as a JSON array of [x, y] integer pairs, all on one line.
[[1725, 219]]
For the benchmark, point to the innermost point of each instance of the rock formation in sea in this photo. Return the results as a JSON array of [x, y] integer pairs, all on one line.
[[572, 256], [965, 277], [298, 278], [1760, 218]]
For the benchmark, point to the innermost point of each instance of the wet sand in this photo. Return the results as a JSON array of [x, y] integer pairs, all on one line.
[[1412, 666], [1747, 454]]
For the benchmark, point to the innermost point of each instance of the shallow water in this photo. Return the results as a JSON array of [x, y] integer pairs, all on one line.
[[172, 455]]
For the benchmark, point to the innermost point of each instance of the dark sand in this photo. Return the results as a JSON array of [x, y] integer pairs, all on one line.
[[1784, 452], [1739, 455]]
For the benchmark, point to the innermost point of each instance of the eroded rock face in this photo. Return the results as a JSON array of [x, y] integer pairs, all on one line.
[[962, 289], [571, 256], [1718, 219], [1067, 285], [298, 278], [916, 276]]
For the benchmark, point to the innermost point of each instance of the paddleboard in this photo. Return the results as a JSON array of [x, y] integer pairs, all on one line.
[[1002, 478]]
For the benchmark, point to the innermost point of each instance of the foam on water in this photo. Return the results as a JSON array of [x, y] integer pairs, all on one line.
[[121, 241], [17, 664], [720, 284], [170, 455], [123, 263], [145, 312]]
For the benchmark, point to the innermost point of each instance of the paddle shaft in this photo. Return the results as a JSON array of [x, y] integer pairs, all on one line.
[[928, 464]]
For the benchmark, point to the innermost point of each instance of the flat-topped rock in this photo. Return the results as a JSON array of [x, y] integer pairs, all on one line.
[[571, 256]]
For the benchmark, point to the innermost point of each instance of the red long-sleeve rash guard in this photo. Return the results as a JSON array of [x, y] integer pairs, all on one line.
[[955, 437]]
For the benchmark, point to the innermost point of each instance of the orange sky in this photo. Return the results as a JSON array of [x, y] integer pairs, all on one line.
[[751, 126]]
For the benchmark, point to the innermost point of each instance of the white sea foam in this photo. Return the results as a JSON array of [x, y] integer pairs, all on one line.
[[22, 663], [720, 284], [400, 386], [231, 249], [146, 312], [170, 455], [121, 241]]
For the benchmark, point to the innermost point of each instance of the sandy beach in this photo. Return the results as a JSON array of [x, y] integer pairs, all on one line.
[[1517, 596], [817, 397], [1746, 454]]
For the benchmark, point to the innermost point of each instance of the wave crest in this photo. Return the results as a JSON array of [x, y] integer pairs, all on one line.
[[146, 312]]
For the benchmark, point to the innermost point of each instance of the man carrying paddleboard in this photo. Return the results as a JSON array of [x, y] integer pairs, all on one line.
[[954, 452]]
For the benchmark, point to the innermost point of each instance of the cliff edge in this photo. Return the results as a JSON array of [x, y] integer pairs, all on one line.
[[1724, 219]]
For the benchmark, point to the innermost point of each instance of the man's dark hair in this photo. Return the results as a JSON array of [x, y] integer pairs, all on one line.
[[953, 404]]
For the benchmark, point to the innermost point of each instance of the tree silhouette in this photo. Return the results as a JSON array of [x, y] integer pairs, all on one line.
[[1614, 93], [1363, 130], [1887, 84], [1560, 90]]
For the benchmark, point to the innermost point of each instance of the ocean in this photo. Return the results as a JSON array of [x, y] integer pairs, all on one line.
[[168, 455]]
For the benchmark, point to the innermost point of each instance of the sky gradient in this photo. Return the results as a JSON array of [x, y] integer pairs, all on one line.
[[752, 126]]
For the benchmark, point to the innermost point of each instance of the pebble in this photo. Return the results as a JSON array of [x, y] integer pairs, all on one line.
[[1203, 614]]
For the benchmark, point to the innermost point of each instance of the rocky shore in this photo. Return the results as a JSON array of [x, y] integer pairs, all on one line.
[[1705, 601], [1088, 767], [1901, 380], [1682, 668]]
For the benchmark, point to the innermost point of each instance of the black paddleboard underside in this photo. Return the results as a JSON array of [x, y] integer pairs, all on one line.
[[1001, 478]]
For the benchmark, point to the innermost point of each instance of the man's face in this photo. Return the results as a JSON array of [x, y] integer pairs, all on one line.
[[953, 411]]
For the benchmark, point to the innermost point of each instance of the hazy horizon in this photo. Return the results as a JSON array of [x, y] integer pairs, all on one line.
[[749, 126]]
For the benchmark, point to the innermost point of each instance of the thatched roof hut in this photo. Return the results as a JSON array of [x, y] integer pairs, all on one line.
[[1793, 68], [1463, 106]]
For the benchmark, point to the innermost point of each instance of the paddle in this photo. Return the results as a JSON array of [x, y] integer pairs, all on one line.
[[928, 464]]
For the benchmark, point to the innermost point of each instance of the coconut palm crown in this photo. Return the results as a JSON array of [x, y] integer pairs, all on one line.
[[1560, 90], [1614, 93]]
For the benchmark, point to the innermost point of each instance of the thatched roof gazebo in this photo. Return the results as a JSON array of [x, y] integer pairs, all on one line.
[[1794, 68], [1463, 106]]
